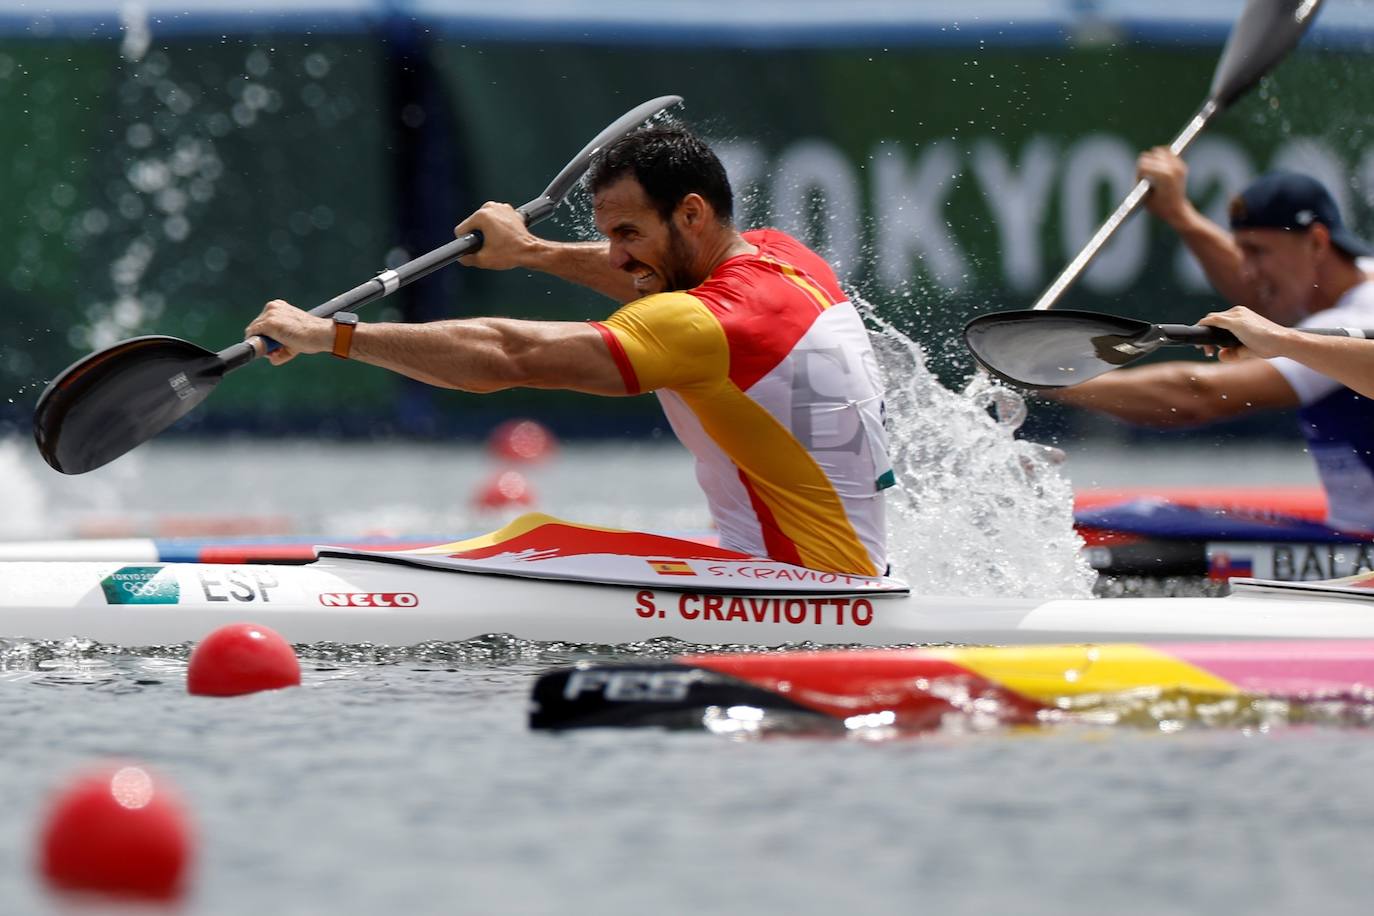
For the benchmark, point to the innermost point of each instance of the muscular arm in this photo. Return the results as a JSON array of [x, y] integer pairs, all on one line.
[[1179, 394], [478, 354], [1217, 252], [492, 354], [1212, 245], [584, 263], [508, 243]]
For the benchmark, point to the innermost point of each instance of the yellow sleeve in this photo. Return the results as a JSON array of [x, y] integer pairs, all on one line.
[[669, 340]]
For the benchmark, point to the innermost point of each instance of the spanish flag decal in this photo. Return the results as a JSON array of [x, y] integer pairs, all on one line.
[[671, 567]]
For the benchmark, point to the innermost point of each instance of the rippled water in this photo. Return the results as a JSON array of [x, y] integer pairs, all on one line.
[[406, 780]]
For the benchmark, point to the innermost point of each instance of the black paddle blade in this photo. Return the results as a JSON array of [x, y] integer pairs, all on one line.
[[1056, 349], [102, 406], [666, 695]]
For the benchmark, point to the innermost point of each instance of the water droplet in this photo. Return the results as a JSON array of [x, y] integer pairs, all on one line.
[[258, 63]]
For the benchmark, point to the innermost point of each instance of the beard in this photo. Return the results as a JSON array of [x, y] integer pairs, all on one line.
[[677, 263], [675, 271]]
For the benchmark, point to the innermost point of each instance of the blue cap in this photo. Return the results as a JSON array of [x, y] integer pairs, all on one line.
[[1287, 200]]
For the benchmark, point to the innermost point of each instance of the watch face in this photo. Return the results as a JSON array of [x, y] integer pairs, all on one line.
[[346, 317]]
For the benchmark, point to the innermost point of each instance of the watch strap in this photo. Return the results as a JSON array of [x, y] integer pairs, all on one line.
[[344, 325]]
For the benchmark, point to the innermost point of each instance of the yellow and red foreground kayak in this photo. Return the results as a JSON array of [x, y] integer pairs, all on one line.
[[916, 689]]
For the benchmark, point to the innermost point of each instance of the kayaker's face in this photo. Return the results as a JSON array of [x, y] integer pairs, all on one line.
[[656, 253], [1282, 267]]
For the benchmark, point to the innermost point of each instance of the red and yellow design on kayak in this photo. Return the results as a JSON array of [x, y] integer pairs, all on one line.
[[542, 536], [918, 686]]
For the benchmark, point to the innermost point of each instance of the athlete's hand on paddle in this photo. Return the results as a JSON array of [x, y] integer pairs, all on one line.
[[1260, 336], [506, 240], [295, 329], [115, 399], [1167, 174]]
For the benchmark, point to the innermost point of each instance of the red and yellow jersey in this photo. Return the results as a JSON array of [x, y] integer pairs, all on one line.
[[766, 374]]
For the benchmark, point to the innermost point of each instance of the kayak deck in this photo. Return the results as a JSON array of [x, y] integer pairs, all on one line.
[[540, 578], [359, 599]]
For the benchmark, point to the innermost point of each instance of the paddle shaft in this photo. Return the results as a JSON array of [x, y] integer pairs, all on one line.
[[1198, 335], [1128, 206], [537, 210], [1266, 31], [115, 399], [388, 281]]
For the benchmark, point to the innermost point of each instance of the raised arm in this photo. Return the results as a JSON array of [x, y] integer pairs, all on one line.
[[1211, 244], [508, 243], [478, 354]]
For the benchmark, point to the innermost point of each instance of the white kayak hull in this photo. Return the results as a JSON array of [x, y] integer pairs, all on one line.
[[353, 600]]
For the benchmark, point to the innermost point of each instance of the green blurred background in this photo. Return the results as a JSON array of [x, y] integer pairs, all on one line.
[[169, 173]]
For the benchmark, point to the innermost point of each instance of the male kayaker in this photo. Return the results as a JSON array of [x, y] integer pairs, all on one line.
[[1290, 257], [761, 363]]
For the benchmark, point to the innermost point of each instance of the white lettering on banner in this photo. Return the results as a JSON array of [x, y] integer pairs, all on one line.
[[1019, 198], [369, 599], [1218, 170], [632, 686], [1098, 168], [911, 222], [816, 166], [909, 207]]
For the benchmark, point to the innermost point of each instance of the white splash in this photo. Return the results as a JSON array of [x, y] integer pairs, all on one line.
[[975, 511]]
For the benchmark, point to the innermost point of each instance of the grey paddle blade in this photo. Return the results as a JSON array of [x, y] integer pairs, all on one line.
[[1043, 349], [1265, 32], [1040, 349], [544, 205]]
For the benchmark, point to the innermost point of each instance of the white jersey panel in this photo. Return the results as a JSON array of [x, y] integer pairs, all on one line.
[[1353, 310]]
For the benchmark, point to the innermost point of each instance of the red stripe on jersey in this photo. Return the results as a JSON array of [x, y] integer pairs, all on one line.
[[779, 546], [622, 360], [762, 311]]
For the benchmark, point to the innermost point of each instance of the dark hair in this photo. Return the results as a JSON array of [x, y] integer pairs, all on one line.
[[669, 163]]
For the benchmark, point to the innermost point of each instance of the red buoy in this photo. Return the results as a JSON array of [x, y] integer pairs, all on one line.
[[119, 832], [504, 490], [523, 441], [241, 658]]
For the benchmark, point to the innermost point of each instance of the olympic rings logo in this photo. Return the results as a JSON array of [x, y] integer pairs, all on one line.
[[150, 588]]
